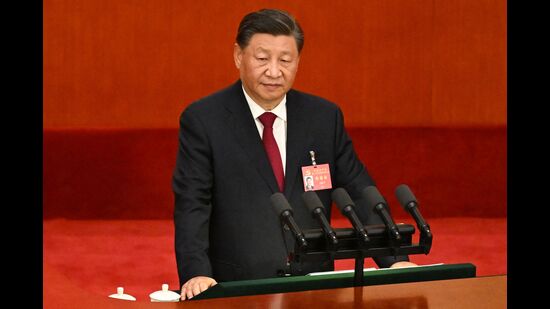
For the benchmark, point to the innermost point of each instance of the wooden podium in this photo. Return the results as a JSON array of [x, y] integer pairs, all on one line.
[[471, 293], [333, 280], [442, 286]]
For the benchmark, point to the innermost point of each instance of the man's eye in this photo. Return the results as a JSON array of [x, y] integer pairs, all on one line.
[[262, 59]]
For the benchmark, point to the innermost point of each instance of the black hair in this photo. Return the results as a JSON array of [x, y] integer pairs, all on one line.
[[270, 21]]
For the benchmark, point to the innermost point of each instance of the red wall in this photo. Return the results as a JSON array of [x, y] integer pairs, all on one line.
[[127, 174], [137, 63]]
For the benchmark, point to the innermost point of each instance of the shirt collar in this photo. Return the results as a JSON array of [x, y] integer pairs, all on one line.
[[257, 110]]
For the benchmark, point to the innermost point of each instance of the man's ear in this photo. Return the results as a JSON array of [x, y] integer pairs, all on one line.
[[237, 55]]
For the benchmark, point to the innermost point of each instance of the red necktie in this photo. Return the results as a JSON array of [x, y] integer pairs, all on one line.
[[272, 149]]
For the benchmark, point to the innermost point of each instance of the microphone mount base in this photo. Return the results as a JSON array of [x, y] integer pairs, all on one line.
[[380, 244]]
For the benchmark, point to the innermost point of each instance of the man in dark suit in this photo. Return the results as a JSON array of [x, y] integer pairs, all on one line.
[[229, 164]]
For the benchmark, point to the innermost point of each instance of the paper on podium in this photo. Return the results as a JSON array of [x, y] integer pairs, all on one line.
[[338, 272], [427, 265], [366, 269]]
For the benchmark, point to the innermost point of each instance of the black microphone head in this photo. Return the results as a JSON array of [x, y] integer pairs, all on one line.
[[404, 195], [373, 196], [279, 203], [342, 199], [312, 201]]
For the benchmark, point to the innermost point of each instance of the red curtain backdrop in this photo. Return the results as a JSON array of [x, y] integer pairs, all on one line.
[[138, 63]]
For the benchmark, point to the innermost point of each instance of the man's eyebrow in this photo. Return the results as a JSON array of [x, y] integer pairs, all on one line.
[[261, 49]]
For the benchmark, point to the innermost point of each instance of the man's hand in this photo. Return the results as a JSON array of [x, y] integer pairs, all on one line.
[[195, 286], [402, 264]]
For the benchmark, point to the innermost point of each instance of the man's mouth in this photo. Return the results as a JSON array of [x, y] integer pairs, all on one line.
[[271, 86]]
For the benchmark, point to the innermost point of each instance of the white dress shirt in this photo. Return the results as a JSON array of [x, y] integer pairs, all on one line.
[[279, 126]]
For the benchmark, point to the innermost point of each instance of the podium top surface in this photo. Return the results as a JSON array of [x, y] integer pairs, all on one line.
[[339, 280]]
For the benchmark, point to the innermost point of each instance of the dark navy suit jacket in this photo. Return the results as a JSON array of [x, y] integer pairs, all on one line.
[[225, 226]]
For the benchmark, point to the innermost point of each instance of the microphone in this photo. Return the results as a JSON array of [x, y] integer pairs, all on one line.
[[409, 202], [347, 208], [284, 211], [316, 208], [375, 199]]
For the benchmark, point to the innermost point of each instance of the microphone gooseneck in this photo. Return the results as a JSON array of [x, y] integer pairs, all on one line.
[[315, 206], [407, 199], [284, 211], [374, 199], [347, 208]]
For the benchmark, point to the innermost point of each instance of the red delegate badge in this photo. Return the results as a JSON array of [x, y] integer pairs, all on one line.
[[316, 177]]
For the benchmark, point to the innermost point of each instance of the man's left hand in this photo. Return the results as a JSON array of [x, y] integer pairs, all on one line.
[[403, 264]]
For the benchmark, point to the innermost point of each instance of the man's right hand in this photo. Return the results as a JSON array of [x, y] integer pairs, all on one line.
[[195, 286]]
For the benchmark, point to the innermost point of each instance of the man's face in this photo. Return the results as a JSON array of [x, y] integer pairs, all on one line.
[[267, 67]]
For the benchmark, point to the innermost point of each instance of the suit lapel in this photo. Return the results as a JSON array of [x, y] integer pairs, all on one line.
[[246, 133], [296, 142]]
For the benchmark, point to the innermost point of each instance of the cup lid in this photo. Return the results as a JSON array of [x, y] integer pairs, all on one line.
[[120, 295], [165, 295]]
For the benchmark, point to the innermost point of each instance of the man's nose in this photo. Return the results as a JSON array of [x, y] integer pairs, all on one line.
[[273, 69]]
